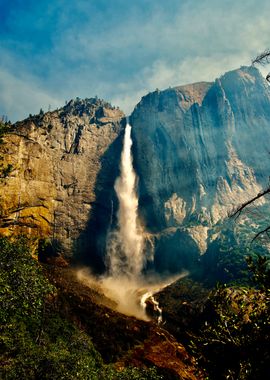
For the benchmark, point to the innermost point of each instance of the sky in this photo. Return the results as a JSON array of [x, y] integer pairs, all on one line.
[[119, 50]]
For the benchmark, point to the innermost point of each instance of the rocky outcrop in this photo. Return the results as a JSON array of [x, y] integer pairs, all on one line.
[[64, 164], [200, 150]]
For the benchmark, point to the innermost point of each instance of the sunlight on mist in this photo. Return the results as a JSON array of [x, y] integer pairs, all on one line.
[[129, 296]]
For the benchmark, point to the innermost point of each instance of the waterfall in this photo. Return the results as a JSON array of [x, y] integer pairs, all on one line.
[[126, 249], [123, 281], [156, 308], [125, 244]]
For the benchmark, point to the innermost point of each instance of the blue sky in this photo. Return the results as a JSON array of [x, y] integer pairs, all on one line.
[[52, 51]]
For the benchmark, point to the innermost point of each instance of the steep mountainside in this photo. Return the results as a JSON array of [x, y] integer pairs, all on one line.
[[200, 150], [64, 167]]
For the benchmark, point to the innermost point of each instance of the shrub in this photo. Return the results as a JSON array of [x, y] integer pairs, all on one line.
[[234, 340]]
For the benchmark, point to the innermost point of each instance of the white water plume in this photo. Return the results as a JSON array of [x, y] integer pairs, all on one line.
[[126, 251], [126, 243], [131, 296], [157, 308], [127, 296]]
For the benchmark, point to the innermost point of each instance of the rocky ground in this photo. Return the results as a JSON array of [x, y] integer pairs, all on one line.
[[183, 306], [120, 339]]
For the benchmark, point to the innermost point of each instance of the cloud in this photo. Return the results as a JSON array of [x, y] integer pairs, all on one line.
[[162, 75], [19, 97], [120, 50]]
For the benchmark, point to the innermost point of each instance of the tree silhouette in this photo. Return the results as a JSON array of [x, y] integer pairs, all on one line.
[[263, 59]]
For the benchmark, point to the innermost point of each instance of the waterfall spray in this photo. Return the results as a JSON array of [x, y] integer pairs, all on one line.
[[156, 308], [125, 244]]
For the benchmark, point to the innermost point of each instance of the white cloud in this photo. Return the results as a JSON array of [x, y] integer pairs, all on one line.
[[124, 55], [162, 75], [20, 97]]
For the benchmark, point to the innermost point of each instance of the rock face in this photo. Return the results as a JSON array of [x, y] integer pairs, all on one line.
[[64, 167], [199, 151]]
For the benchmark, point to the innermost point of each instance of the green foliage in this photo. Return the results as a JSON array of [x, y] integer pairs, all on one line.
[[235, 337], [23, 286], [4, 170], [48, 247], [131, 373], [225, 261], [260, 268], [35, 341], [4, 128], [62, 352]]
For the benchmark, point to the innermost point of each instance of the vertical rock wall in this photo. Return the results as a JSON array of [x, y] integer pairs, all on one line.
[[200, 150], [64, 166]]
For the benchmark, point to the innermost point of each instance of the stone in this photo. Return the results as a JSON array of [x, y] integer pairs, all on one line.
[[200, 151], [64, 167]]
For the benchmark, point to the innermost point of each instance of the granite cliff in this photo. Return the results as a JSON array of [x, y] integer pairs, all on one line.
[[64, 165], [200, 150]]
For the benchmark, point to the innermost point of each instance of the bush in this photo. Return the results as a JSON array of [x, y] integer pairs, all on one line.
[[23, 286], [235, 338]]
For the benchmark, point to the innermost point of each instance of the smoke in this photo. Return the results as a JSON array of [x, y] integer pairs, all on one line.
[[126, 244]]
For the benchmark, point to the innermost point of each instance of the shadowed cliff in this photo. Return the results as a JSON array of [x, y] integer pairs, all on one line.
[[195, 155]]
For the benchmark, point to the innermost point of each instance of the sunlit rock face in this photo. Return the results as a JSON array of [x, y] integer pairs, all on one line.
[[64, 166], [199, 151]]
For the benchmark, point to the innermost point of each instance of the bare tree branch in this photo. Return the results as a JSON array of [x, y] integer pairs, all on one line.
[[237, 213], [263, 58], [266, 230]]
